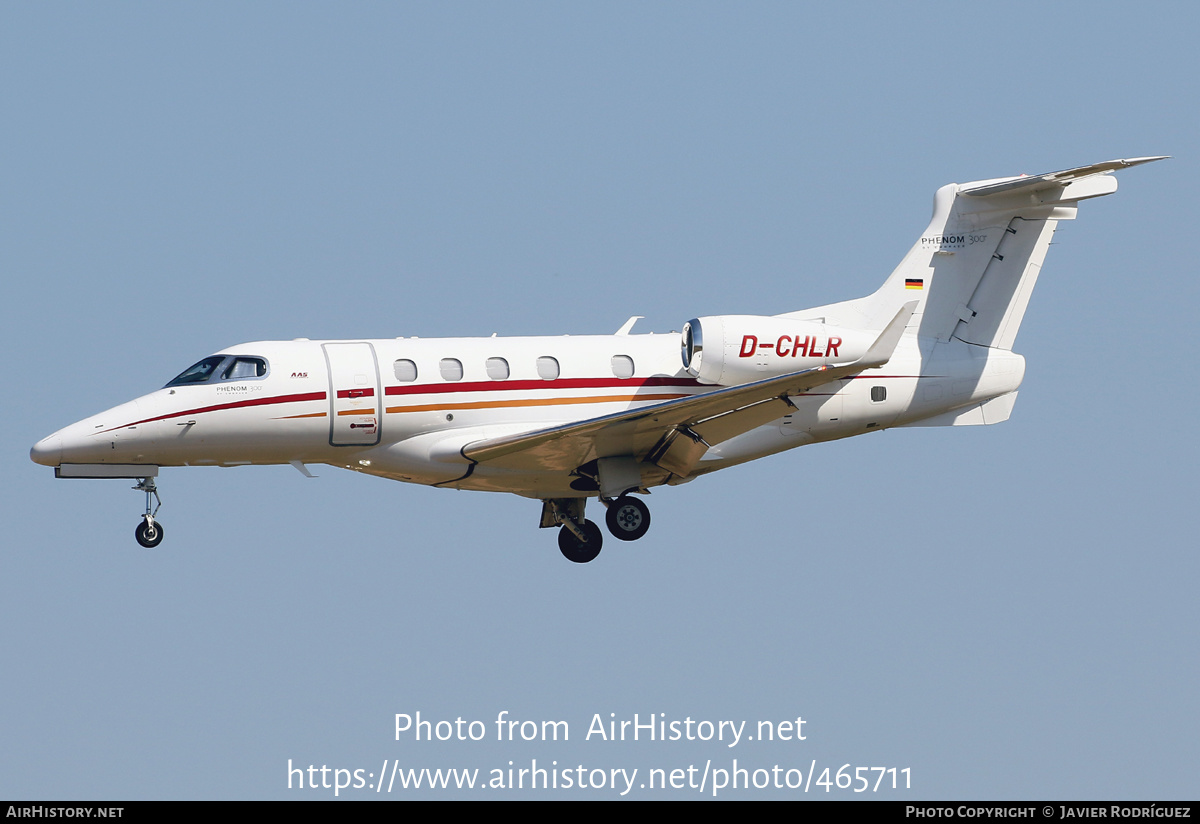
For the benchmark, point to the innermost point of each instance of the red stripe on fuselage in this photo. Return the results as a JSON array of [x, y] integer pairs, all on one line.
[[517, 386], [306, 396]]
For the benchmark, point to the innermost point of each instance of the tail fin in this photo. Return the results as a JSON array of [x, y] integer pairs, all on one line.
[[973, 269]]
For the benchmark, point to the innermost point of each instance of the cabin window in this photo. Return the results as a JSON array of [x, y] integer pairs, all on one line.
[[878, 394], [245, 368], [622, 366], [451, 369], [547, 368], [497, 369], [406, 370]]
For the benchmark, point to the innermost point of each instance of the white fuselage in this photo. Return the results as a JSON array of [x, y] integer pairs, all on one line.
[[404, 408]]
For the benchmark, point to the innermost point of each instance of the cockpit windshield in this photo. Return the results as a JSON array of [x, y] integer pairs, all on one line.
[[222, 368], [199, 372]]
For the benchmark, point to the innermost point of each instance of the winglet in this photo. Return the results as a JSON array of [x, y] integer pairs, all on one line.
[[883, 347]]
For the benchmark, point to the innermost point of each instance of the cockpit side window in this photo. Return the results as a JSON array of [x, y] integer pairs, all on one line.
[[198, 372], [245, 368]]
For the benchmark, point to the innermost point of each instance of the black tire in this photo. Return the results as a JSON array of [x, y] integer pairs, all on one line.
[[576, 551], [627, 518], [148, 536]]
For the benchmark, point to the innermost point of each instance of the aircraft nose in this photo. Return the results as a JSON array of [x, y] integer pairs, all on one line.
[[47, 451]]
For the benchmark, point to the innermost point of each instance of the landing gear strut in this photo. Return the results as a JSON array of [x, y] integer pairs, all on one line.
[[627, 518], [580, 543], [149, 532], [579, 539]]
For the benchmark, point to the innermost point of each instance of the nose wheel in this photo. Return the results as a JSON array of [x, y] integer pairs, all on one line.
[[149, 532]]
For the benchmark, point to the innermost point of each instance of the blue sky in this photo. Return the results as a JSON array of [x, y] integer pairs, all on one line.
[[1007, 611]]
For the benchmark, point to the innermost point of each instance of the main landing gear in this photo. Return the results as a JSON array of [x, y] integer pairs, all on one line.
[[580, 543], [627, 518], [149, 532], [579, 539]]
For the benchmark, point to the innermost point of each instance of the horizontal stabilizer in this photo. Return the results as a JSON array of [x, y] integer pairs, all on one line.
[[1029, 184]]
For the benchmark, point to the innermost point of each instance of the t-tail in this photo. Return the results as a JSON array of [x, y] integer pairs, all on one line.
[[973, 269]]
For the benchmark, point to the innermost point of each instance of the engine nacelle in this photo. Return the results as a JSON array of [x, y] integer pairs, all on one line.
[[732, 349]]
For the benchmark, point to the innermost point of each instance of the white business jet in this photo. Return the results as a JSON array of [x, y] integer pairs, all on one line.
[[564, 419]]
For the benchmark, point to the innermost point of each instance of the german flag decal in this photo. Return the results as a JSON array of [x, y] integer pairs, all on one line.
[[914, 283]]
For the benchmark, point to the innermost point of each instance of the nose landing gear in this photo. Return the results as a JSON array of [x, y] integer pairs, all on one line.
[[149, 532]]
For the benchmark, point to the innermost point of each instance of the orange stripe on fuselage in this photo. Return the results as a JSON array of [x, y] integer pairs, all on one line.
[[452, 387], [535, 402]]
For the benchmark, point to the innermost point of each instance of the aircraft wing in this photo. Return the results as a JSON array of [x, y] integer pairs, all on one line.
[[675, 434]]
